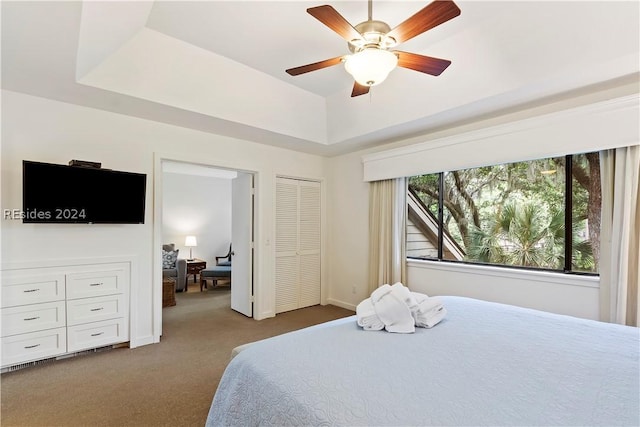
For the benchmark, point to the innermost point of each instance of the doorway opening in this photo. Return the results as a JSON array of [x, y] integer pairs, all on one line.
[[206, 210]]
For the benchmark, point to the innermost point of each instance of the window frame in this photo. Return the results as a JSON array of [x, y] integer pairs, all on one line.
[[568, 238]]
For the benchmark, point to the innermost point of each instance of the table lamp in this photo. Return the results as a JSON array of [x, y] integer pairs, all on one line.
[[190, 242]]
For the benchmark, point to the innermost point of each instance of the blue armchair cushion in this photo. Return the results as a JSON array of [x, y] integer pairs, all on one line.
[[217, 271]]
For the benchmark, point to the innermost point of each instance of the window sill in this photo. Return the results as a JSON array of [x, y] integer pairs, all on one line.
[[505, 272]]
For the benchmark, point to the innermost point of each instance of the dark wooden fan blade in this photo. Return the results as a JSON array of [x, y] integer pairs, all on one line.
[[359, 89], [315, 66], [332, 19], [424, 64], [429, 17]]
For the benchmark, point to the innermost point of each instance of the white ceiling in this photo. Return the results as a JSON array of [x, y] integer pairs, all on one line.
[[218, 66]]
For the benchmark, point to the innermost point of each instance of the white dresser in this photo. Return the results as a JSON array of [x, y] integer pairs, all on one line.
[[57, 311]]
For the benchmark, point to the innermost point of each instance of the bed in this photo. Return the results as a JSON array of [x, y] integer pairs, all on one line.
[[484, 364]]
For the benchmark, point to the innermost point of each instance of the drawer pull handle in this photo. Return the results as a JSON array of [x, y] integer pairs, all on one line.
[[95, 284], [31, 290], [97, 309], [97, 334], [32, 346], [32, 318]]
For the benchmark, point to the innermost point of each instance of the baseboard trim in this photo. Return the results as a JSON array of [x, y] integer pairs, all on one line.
[[341, 304], [140, 341]]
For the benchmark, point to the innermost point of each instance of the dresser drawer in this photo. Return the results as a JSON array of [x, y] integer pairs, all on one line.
[[32, 289], [90, 335], [95, 309], [31, 318], [93, 284], [33, 346], [195, 268]]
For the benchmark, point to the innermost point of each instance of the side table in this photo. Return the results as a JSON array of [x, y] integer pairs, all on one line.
[[194, 267]]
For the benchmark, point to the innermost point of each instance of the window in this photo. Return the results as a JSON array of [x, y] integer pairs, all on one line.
[[542, 214]]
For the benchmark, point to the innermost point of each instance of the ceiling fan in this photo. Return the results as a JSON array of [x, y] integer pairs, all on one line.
[[371, 43]]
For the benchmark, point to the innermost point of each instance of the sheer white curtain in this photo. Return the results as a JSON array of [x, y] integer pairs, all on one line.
[[387, 232], [620, 235]]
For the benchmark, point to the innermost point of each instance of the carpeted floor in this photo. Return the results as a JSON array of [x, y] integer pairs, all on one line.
[[167, 384]]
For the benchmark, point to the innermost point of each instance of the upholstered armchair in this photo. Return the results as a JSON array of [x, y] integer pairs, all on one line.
[[177, 270], [221, 271], [224, 260]]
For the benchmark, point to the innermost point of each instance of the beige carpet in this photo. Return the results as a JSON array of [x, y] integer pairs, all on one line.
[[167, 384]]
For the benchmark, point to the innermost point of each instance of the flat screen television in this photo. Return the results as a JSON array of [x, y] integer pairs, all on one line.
[[60, 194]]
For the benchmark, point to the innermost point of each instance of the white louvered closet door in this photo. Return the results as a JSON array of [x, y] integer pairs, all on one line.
[[286, 245], [297, 244]]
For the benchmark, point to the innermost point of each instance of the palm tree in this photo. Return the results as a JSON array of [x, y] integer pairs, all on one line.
[[523, 235]]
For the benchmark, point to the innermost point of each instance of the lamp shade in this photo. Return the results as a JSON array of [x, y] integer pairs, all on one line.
[[371, 66], [190, 241]]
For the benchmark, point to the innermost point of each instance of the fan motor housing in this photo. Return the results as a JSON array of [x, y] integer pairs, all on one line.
[[373, 33]]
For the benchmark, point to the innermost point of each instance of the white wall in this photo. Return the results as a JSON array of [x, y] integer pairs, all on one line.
[[348, 215], [348, 221], [199, 206], [50, 131], [557, 293]]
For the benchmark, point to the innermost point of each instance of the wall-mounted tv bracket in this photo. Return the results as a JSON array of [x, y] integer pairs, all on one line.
[[85, 164]]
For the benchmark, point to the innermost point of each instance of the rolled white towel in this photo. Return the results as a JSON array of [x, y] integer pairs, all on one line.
[[379, 292], [419, 297], [367, 317], [404, 294], [432, 318], [392, 310], [428, 304], [428, 312]]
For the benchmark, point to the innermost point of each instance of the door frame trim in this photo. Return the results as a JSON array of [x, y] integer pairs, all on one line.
[[192, 158]]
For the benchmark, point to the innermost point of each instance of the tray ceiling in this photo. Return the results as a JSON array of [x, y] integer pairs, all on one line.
[[218, 66]]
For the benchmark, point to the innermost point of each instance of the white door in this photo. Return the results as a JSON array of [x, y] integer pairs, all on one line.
[[287, 262], [297, 244], [242, 243], [309, 243]]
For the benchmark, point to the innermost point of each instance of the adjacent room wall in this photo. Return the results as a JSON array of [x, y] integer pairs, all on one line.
[[50, 131], [199, 206]]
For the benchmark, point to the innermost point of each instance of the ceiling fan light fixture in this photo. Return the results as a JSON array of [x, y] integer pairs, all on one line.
[[371, 66], [372, 42]]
